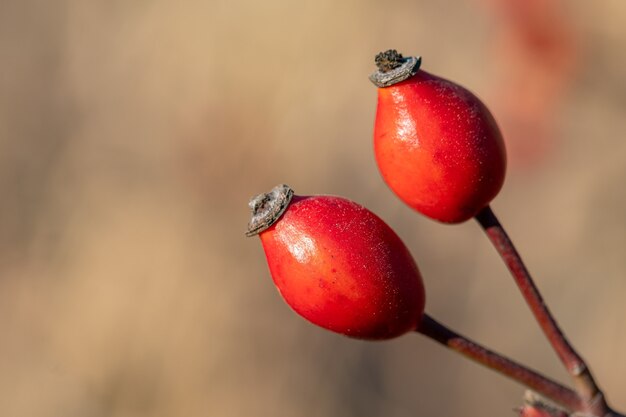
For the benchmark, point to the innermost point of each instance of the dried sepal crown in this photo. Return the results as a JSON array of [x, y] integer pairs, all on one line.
[[394, 68], [267, 208]]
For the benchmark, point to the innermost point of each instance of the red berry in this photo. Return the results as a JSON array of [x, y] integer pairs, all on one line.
[[338, 265], [530, 411], [536, 406], [436, 144]]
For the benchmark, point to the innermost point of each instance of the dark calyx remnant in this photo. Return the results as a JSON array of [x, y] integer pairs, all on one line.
[[394, 68], [388, 60], [267, 208]]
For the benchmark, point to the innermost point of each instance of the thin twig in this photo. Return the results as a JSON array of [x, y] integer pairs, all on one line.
[[575, 365], [516, 371]]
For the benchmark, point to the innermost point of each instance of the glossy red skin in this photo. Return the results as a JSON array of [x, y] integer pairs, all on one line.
[[438, 147], [341, 267]]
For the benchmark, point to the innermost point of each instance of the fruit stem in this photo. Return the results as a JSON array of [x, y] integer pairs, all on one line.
[[575, 365], [541, 384]]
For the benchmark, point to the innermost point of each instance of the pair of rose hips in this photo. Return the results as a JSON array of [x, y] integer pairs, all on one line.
[[339, 265]]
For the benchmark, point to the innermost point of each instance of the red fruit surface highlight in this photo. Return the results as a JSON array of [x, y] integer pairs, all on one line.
[[341, 267], [437, 146]]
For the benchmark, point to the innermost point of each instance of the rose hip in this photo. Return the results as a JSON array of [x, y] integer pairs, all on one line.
[[338, 265], [436, 144]]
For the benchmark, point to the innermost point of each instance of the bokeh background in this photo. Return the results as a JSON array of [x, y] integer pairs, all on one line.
[[132, 135]]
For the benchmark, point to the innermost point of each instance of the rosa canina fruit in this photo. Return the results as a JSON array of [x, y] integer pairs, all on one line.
[[337, 264], [436, 144]]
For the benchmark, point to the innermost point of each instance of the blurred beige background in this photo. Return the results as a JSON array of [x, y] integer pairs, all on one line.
[[133, 133]]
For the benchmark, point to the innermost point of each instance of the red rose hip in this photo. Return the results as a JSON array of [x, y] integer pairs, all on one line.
[[337, 264], [436, 144]]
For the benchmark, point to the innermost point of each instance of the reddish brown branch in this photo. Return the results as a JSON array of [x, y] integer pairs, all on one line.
[[575, 365], [520, 373]]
